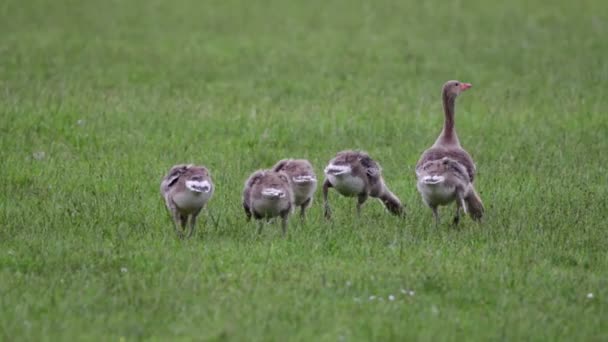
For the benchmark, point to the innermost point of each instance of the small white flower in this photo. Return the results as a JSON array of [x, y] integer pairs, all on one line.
[[265, 134], [357, 299], [39, 155], [11, 252], [391, 298], [590, 295], [411, 293], [434, 310], [124, 270], [372, 297], [80, 122], [348, 284], [404, 291]]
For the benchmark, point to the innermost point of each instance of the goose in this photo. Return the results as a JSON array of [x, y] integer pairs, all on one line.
[[436, 180], [186, 189], [443, 181], [356, 174], [303, 181], [268, 194]]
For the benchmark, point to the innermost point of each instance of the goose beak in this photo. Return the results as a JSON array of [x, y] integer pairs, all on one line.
[[465, 86]]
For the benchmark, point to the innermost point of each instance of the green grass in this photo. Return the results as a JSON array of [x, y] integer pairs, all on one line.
[[115, 92]]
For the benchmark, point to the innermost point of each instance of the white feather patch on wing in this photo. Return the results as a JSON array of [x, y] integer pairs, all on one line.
[[337, 170], [433, 179], [272, 192], [198, 186], [304, 179]]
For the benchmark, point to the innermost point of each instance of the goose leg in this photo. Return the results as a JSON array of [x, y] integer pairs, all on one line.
[[179, 232], [175, 215], [284, 217], [360, 200], [436, 216], [327, 209], [260, 226], [460, 205], [247, 211], [193, 223], [463, 205], [457, 214], [304, 206], [179, 223]]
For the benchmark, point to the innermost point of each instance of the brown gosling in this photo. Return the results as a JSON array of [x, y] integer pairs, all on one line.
[[268, 194], [186, 189], [303, 181], [441, 182], [356, 174], [432, 187]]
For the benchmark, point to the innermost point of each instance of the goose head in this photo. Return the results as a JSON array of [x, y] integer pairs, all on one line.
[[453, 88]]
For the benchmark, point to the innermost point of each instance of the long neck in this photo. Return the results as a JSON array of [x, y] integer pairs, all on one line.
[[448, 134]]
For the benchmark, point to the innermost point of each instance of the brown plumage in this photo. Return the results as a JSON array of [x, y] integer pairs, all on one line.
[[186, 189], [356, 174], [441, 182], [303, 181], [448, 146], [268, 194]]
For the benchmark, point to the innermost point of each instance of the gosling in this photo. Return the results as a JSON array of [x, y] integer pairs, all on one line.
[[268, 194], [186, 190], [356, 174], [443, 181], [303, 181]]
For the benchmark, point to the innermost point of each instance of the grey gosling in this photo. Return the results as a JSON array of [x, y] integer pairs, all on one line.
[[441, 181], [303, 181], [268, 194], [186, 189], [356, 174]]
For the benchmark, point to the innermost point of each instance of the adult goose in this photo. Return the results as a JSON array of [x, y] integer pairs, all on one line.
[[436, 176]]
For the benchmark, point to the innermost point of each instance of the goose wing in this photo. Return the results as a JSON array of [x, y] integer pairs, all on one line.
[[459, 155]]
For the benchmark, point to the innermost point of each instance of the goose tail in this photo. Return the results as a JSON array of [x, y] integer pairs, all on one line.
[[474, 206], [392, 203]]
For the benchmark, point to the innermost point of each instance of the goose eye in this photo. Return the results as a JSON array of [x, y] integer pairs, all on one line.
[[457, 84]]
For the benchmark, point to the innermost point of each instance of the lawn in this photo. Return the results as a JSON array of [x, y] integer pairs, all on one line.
[[98, 99]]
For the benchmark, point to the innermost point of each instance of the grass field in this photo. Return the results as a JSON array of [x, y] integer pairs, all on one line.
[[99, 99]]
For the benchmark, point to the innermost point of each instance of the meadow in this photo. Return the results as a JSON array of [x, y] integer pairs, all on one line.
[[99, 99]]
